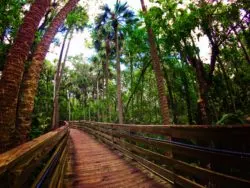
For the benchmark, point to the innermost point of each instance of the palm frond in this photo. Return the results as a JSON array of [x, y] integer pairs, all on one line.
[[103, 17], [128, 14]]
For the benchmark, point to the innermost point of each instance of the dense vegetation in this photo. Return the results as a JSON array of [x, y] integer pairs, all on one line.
[[220, 82], [147, 68]]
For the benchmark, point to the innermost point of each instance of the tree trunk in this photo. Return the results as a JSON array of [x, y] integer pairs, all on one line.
[[30, 82], [89, 112], [106, 75], [69, 106], [133, 92], [187, 97], [59, 73], [118, 69], [202, 87], [13, 71], [163, 102], [171, 97], [97, 99], [242, 46], [228, 85], [56, 80], [2, 36]]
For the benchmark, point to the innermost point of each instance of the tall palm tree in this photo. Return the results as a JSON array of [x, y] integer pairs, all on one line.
[[31, 78], [57, 79], [103, 35], [158, 72], [117, 18], [76, 20], [14, 68]]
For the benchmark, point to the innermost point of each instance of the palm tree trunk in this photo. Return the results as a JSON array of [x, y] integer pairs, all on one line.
[[106, 75], [13, 71], [163, 102], [59, 73], [118, 69], [56, 80], [97, 99], [30, 82]]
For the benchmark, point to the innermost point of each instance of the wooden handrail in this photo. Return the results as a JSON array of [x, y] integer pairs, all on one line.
[[22, 165], [211, 156]]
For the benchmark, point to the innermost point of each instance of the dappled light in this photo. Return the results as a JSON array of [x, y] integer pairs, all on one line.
[[115, 93]]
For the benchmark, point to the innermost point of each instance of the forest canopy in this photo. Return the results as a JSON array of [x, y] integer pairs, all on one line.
[[147, 67]]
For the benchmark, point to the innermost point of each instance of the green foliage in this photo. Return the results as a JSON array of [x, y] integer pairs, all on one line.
[[178, 26], [78, 18], [41, 119], [230, 119], [11, 15]]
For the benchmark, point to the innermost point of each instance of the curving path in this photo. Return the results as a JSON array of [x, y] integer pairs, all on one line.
[[93, 164]]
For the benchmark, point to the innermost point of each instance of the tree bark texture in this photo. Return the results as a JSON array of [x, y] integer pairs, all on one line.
[[118, 70], [203, 86], [106, 75], [203, 89], [30, 82], [158, 73], [13, 71]]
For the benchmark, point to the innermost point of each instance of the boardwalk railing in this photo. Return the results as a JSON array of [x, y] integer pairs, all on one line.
[[38, 163], [195, 156]]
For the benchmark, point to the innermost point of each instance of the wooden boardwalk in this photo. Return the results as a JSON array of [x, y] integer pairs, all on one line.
[[93, 164]]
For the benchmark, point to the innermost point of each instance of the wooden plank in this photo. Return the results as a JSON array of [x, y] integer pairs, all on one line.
[[47, 167], [97, 166], [12, 157], [159, 171], [205, 155], [61, 182], [57, 174], [23, 162], [221, 134], [202, 173]]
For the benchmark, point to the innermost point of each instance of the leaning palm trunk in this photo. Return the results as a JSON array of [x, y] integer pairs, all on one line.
[[13, 71], [56, 83], [118, 69], [60, 69], [30, 83], [158, 73]]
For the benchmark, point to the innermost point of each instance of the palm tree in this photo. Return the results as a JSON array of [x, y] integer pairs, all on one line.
[[57, 79], [31, 78], [103, 35], [158, 72], [14, 68], [76, 20], [117, 18]]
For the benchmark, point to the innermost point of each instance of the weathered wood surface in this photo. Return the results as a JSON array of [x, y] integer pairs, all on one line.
[[19, 165], [93, 164], [202, 155]]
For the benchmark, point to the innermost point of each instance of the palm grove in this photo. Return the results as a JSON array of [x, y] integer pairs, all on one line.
[[147, 68]]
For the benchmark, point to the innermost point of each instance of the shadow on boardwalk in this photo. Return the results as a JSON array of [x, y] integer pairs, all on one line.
[[93, 164]]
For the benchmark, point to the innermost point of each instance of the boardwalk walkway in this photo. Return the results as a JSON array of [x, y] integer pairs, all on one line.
[[93, 164]]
